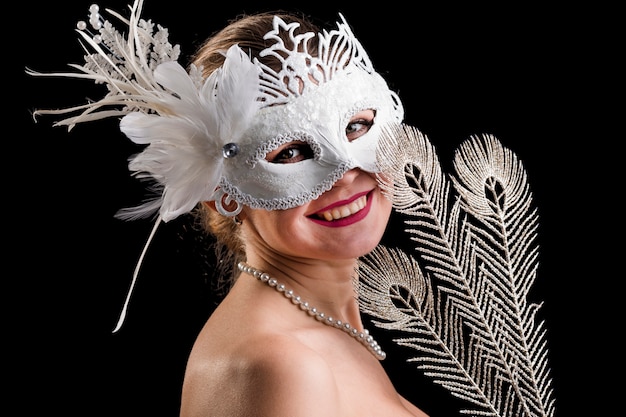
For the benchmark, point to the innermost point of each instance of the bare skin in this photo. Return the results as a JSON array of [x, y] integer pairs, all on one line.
[[260, 355]]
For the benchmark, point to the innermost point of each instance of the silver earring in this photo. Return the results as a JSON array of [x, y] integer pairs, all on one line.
[[222, 200]]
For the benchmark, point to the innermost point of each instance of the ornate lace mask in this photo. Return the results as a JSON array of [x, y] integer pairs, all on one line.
[[209, 138], [319, 116]]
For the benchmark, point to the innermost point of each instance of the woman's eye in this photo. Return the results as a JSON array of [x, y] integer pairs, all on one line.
[[359, 125], [291, 153]]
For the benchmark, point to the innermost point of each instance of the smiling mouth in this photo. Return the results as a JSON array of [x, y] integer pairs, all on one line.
[[344, 211]]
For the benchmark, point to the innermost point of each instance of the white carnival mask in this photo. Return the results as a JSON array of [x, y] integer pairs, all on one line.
[[314, 105], [207, 139]]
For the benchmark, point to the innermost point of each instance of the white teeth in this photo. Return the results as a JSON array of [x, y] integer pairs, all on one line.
[[344, 211]]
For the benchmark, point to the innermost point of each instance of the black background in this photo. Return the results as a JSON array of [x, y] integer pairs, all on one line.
[[538, 78]]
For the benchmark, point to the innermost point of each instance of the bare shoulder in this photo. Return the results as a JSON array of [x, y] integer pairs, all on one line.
[[268, 375]]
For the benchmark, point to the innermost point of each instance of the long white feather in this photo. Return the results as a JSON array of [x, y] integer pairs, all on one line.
[[181, 120]]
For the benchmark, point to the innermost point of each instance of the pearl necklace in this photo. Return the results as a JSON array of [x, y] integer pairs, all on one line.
[[363, 337]]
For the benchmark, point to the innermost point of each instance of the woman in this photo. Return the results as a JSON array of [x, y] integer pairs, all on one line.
[[262, 355], [272, 135]]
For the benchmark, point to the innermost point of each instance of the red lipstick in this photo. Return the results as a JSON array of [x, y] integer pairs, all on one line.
[[345, 221]]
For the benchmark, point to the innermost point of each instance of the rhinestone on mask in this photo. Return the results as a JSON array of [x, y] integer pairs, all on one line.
[[230, 150]]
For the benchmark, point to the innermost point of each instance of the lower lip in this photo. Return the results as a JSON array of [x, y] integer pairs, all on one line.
[[347, 221]]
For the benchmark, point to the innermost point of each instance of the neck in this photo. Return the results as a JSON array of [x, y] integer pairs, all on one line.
[[357, 332], [328, 285]]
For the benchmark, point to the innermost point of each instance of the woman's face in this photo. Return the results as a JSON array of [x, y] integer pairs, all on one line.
[[345, 222]]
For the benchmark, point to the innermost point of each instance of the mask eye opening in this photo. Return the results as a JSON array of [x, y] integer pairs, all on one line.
[[313, 151]]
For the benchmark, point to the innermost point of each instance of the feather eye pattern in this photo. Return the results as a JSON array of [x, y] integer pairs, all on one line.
[[460, 299]]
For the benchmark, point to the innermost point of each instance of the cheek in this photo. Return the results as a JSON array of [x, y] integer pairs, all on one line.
[[277, 228]]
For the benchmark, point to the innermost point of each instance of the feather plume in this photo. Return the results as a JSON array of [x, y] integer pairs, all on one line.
[[180, 118], [460, 298]]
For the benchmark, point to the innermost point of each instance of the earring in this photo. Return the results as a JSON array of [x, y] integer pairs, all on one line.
[[224, 202]]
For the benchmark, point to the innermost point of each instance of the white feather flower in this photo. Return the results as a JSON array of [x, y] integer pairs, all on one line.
[[183, 121], [185, 140]]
